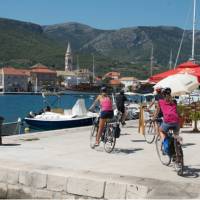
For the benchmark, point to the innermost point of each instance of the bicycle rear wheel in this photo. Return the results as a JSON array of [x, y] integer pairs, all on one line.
[[179, 163], [150, 132], [93, 135], [164, 158], [109, 139]]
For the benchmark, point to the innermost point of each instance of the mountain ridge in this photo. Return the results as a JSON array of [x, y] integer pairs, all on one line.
[[127, 50]]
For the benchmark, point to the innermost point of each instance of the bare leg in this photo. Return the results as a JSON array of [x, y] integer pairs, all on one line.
[[156, 126], [162, 134], [100, 130], [123, 117]]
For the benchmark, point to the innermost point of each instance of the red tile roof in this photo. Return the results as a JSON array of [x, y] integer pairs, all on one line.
[[39, 68], [111, 74], [13, 71]]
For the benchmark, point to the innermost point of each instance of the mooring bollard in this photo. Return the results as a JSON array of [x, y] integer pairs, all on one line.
[[1, 123]]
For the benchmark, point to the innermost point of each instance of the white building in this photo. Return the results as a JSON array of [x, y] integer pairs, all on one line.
[[128, 81]]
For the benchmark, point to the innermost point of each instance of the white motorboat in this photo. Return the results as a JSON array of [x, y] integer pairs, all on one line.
[[75, 117]]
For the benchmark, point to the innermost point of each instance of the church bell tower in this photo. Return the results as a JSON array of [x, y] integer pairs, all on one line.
[[68, 59]]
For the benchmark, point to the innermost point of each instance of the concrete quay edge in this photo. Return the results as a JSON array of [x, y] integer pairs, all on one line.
[[27, 180], [34, 182]]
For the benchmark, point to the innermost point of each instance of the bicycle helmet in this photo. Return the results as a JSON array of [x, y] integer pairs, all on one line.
[[166, 91], [121, 92]]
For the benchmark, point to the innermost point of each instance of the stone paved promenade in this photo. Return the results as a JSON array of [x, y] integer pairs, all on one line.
[[60, 164]]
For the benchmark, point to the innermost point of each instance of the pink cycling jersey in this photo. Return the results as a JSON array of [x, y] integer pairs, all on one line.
[[106, 104], [169, 111]]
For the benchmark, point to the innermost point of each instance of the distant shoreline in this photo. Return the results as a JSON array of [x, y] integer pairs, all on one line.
[[48, 93]]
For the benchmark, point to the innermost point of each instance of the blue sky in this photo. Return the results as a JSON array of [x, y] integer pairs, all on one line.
[[102, 14]]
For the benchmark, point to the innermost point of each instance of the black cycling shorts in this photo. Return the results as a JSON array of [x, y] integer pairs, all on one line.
[[106, 114]]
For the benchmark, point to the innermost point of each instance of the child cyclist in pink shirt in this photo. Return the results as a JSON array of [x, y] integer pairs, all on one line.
[[170, 116]]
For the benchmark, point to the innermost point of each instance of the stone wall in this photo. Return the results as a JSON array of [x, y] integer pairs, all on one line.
[[21, 183]]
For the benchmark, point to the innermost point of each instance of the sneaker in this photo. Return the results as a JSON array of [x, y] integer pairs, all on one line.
[[96, 145]]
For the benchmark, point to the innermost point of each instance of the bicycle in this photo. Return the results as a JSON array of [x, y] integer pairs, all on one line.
[[151, 129], [175, 154], [108, 136]]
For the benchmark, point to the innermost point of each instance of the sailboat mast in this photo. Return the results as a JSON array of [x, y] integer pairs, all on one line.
[[151, 64], [77, 76], [193, 30], [170, 60], [93, 69]]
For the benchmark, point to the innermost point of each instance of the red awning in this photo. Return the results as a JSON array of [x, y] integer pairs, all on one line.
[[186, 67]]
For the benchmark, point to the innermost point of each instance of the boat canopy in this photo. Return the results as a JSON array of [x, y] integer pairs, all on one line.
[[79, 108]]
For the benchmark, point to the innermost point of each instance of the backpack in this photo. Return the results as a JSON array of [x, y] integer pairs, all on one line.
[[117, 131]]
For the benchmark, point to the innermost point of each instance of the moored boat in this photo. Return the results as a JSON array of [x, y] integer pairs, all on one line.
[[75, 117]]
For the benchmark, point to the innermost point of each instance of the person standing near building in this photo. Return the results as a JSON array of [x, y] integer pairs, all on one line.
[[120, 103]]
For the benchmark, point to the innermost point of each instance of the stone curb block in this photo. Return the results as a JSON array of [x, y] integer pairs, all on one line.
[[56, 183], [3, 190], [59, 195], [3, 175], [85, 187], [43, 194], [12, 176], [39, 180], [136, 191], [115, 191], [25, 178]]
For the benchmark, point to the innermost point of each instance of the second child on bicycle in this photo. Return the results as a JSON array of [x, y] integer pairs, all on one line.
[[106, 111], [170, 116]]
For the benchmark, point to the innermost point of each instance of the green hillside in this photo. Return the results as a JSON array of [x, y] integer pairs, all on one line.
[[126, 50]]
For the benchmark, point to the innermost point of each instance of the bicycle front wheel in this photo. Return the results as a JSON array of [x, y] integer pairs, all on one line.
[[150, 132], [109, 139], [164, 158], [93, 135]]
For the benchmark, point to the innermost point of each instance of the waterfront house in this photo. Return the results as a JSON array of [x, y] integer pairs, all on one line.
[[83, 75], [13, 80], [129, 81], [112, 75], [66, 78], [43, 78], [70, 78]]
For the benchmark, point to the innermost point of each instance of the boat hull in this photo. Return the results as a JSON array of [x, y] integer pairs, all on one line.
[[51, 125]]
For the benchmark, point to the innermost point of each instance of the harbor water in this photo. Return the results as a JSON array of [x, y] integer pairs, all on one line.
[[14, 106]]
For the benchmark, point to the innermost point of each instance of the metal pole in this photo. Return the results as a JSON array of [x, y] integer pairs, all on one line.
[[93, 69], [151, 64], [1, 124], [170, 60], [77, 82], [193, 31]]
